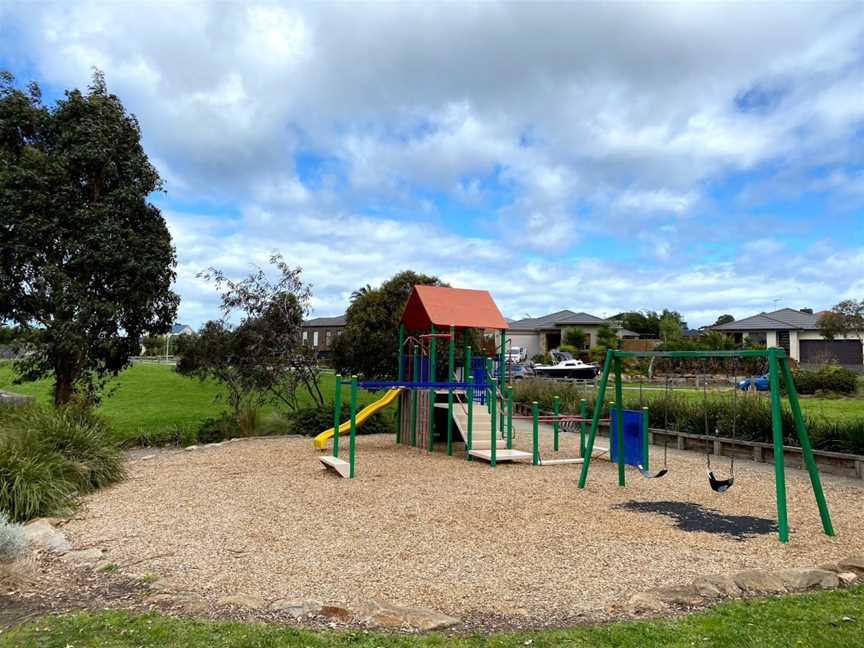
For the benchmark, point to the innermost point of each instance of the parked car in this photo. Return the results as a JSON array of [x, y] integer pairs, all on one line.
[[517, 354], [757, 383]]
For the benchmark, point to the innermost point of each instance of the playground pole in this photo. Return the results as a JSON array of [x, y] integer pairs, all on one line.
[[488, 384], [470, 410], [337, 414], [556, 407], [451, 377], [645, 433], [595, 418], [502, 368], [493, 441], [619, 422], [806, 450], [353, 427], [583, 414], [535, 433], [401, 374], [432, 347], [777, 430], [415, 374], [509, 417]]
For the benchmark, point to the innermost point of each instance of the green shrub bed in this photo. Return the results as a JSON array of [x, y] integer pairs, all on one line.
[[750, 414], [830, 379], [48, 456]]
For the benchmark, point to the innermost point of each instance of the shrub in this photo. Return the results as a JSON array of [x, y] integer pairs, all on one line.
[[177, 435], [13, 542], [313, 420], [541, 358], [47, 456], [831, 378]]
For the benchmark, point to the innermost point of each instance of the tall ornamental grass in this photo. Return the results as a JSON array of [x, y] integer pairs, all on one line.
[[48, 456]]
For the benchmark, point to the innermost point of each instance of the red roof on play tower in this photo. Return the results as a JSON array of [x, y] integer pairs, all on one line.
[[445, 307]]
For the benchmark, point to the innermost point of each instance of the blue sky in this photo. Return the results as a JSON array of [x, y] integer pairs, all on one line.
[[600, 157]]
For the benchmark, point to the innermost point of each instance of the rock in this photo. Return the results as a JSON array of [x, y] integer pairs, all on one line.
[[847, 578], [187, 601], [192, 447], [383, 615], [804, 579], [716, 586], [833, 566], [41, 534], [336, 612], [147, 457], [854, 564], [759, 581], [645, 602], [678, 595], [83, 556], [296, 609], [248, 601]]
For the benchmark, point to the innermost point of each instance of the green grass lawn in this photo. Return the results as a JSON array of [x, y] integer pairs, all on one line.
[[821, 620], [152, 398]]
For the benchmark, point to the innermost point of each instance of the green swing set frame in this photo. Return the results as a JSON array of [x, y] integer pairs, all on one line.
[[777, 363]]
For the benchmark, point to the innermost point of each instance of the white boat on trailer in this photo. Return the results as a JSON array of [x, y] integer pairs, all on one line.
[[567, 367]]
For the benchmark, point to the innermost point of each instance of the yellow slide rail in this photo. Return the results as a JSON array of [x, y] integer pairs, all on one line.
[[391, 394]]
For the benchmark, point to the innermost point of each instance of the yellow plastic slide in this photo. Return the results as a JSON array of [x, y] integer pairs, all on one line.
[[362, 415]]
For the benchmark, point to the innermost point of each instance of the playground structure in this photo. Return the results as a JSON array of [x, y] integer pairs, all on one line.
[[777, 364], [473, 395]]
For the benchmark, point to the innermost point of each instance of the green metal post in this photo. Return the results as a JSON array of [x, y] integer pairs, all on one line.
[[535, 433], [353, 427], [468, 370], [451, 377], [645, 433], [488, 384], [432, 350], [806, 449], [777, 429], [337, 414], [509, 417], [583, 414], [401, 374], [619, 422], [502, 376], [493, 440], [415, 375], [556, 408], [595, 418], [470, 412]]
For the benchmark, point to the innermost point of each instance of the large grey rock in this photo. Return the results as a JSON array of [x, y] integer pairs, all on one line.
[[297, 609], [800, 579], [847, 578], [854, 564], [84, 556], [645, 602], [187, 601], [678, 595], [383, 615], [759, 581], [43, 535], [716, 586], [248, 601]]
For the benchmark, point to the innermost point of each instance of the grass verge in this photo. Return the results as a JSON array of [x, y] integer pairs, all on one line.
[[820, 620]]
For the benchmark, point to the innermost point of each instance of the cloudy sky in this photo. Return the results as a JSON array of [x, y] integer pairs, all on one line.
[[599, 157]]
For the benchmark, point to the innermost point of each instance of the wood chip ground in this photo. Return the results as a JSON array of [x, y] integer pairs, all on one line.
[[264, 517]]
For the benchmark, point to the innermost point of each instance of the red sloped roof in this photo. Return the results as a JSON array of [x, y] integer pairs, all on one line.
[[444, 307]]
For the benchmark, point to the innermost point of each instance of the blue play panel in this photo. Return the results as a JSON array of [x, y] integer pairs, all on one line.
[[632, 428]]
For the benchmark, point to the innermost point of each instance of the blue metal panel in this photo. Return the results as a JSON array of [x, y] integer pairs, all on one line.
[[632, 428]]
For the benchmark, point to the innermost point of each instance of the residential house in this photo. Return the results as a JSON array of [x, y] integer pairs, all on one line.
[[543, 334], [321, 332], [797, 331], [182, 329]]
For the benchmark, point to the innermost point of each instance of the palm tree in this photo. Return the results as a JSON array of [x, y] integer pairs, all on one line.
[[365, 290]]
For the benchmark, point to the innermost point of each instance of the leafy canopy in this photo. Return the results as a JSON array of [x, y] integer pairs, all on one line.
[[369, 344], [844, 319], [262, 358], [87, 262]]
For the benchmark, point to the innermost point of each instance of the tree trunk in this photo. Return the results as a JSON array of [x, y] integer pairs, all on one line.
[[64, 384]]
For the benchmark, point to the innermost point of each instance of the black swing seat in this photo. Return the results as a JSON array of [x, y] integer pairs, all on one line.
[[648, 475], [719, 485]]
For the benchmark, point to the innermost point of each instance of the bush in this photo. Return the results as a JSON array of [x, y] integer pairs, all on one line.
[[47, 456], [310, 421], [13, 542], [827, 379], [177, 435], [541, 358]]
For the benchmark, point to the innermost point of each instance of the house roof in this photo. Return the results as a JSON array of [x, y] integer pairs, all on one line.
[[627, 333], [785, 319], [443, 307], [339, 320], [554, 320], [179, 328]]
